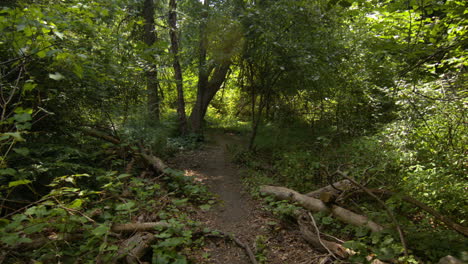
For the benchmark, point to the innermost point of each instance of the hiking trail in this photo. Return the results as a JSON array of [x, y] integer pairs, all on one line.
[[237, 212]]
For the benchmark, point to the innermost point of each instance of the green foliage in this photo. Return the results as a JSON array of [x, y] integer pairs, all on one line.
[[261, 248], [176, 237], [282, 209]]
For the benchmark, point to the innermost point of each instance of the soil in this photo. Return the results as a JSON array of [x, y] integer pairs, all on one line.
[[237, 212]]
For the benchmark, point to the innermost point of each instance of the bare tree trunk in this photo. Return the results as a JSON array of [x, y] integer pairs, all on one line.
[[152, 82], [211, 75], [196, 117], [176, 66]]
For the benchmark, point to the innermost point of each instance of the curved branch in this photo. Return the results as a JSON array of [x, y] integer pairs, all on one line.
[[389, 212]]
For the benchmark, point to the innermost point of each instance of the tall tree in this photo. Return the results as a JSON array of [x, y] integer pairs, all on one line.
[[176, 65], [152, 83], [211, 73]]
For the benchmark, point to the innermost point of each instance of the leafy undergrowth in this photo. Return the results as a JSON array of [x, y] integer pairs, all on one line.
[[295, 159], [72, 224], [72, 220]]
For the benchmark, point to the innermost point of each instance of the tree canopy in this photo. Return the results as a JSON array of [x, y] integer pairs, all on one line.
[[373, 88]]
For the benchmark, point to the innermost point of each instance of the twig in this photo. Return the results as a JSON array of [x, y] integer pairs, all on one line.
[[71, 211], [318, 235], [389, 212], [247, 249]]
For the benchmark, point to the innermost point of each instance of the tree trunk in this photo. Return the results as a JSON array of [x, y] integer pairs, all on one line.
[[206, 92], [208, 87], [152, 83], [176, 65]]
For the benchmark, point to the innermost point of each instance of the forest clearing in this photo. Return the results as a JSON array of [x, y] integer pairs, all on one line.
[[233, 132]]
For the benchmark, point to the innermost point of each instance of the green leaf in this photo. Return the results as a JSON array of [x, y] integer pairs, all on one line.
[[100, 230], [172, 242], [35, 228], [76, 204], [205, 207], [8, 171], [58, 34], [41, 54], [15, 135], [56, 76], [29, 86], [123, 176], [125, 206], [23, 117], [327, 220], [179, 202], [22, 151], [14, 239], [18, 183]]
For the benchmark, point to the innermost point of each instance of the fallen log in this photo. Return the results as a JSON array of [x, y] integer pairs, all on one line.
[[334, 188], [135, 247], [316, 205], [156, 163], [98, 134], [137, 227]]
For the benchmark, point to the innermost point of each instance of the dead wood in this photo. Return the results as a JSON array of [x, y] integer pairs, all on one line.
[[316, 205], [155, 162], [449, 260], [389, 211], [452, 225], [334, 188], [135, 247], [98, 134], [322, 245], [137, 227], [237, 241]]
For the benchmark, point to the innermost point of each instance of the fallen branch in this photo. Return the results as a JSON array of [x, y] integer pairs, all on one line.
[[137, 227], [457, 227], [98, 134], [334, 188], [317, 231], [389, 212], [316, 205], [313, 237], [155, 162], [135, 247]]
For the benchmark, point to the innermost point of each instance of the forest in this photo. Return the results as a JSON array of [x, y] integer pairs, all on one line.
[[233, 131]]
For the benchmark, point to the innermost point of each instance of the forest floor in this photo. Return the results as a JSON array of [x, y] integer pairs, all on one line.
[[237, 212]]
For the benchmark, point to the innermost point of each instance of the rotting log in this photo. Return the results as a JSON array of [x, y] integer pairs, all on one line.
[[316, 205], [155, 162], [135, 247]]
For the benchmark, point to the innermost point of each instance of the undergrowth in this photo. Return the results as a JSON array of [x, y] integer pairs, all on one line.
[[61, 195], [304, 160]]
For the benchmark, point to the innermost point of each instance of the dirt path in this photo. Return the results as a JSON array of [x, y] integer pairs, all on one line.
[[237, 212]]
